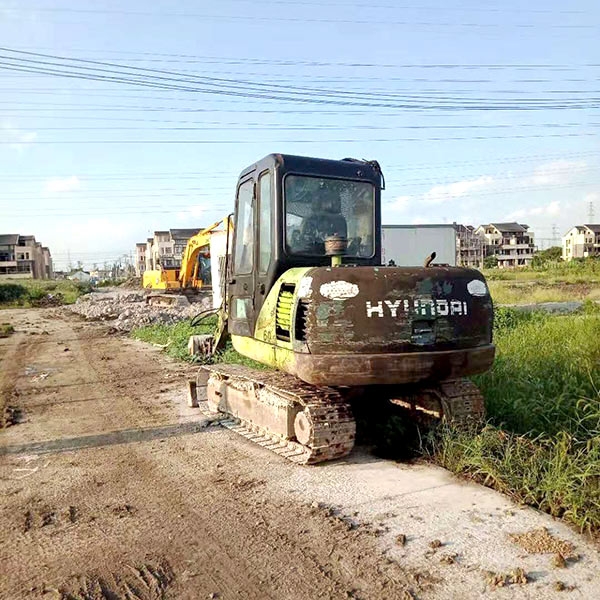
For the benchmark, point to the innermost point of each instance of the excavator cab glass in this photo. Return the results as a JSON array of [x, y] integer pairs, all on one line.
[[319, 207]]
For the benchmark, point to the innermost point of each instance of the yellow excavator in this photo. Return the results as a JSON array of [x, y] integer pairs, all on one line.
[[194, 272], [306, 295]]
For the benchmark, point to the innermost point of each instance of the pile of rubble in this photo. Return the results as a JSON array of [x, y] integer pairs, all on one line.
[[128, 310]]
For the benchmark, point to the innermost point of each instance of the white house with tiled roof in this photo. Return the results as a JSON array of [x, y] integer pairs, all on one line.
[[511, 243], [581, 241]]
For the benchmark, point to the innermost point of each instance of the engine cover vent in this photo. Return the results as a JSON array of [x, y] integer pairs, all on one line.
[[283, 321]]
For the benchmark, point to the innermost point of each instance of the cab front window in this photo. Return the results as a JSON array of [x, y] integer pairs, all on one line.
[[319, 207]]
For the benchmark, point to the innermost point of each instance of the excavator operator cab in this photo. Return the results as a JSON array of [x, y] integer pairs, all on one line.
[[286, 207]]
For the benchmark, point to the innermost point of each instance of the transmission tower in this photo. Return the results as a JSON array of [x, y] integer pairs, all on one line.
[[590, 212], [554, 235]]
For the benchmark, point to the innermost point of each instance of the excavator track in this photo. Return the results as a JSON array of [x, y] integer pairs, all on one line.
[[323, 425], [462, 402], [455, 401]]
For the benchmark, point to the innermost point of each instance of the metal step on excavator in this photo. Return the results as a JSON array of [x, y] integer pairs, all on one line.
[[305, 294]]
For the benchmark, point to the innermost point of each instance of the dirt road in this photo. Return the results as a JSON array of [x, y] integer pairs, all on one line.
[[113, 489]]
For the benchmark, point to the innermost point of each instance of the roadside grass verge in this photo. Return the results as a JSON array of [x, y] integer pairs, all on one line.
[[27, 293], [174, 340], [542, 443], [533, 292], [575, 271]]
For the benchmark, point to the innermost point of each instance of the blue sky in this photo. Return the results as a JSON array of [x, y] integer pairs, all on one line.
[[506, 126]]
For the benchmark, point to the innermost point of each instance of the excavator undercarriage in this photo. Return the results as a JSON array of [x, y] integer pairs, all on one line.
[[308, 424]]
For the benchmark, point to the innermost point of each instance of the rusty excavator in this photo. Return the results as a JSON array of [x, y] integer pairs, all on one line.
[[305, 294]]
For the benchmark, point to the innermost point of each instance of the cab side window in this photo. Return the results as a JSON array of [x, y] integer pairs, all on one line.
[[244, 234], [264, 187]]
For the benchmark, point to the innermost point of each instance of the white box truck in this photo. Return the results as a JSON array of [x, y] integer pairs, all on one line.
[[410, 245]]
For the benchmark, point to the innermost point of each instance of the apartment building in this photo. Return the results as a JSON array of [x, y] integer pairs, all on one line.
[[469, 246], [140, 258], [164, 250], [22, 257], [511, 243], [581, 241]]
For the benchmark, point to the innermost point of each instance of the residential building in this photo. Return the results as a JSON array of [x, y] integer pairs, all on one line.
[[164, 250], [180, 239], [469, 246], [140, 258], [511, 243], [21, 257], [581, 241]]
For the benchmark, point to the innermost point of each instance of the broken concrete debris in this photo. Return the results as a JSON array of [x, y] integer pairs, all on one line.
[[129, 310]]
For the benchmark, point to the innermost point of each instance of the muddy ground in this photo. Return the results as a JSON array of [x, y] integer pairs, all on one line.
[[113, 489]]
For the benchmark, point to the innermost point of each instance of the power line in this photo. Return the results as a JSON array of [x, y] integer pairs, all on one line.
[[311, 141], [149, 209], [572, 169], [387, 168], [274, 18], [293, 63], [436, 9], [240, 88]]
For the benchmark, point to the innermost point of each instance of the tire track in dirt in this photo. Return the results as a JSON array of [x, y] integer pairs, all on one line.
[[181, 517]]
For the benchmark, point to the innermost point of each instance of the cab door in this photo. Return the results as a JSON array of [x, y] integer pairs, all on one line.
[[241, 286], [265, 244]]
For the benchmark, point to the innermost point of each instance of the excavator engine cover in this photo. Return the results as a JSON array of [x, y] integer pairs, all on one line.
[[359, 326]]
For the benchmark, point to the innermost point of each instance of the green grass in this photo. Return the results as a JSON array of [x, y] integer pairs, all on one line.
[[554, 282], [174, 338], [542, 444], [6, 329], [530, 292], [576, 271], [28, 293]]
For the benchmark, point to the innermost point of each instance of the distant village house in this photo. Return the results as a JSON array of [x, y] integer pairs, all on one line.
[[581, 241], [22, 257]]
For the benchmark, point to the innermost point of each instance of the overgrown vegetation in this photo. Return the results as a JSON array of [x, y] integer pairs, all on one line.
[[542, 443], [535, 292], [547, 280], [40, 292], [6, 329], [584, 270], [174, 340]]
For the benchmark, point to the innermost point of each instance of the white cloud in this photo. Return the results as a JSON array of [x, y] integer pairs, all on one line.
[[15, 137], [400, 203], [457, 189], [58, 185], [550, 209], [192, 212], [556, 172]]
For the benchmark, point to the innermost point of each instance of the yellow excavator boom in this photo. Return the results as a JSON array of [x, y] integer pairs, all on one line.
[[188, 274]]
